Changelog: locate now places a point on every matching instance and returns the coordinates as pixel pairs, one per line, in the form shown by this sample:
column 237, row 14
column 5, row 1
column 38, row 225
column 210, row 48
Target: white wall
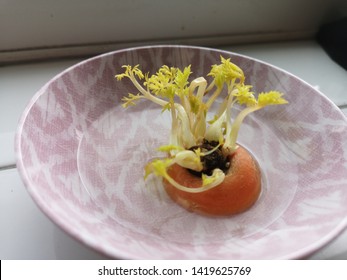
column 30, row 24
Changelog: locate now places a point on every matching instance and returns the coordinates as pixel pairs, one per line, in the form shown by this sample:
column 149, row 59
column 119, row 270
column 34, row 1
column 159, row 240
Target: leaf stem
column 231, row 138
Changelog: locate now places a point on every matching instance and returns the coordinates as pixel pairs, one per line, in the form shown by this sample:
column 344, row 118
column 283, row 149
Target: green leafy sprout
column 188, row 103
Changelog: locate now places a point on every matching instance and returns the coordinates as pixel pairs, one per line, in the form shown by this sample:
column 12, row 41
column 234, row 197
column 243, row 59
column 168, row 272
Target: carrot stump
column 237, row 193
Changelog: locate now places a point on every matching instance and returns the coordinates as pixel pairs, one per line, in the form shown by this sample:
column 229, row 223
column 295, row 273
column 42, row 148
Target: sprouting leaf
column 166, row 107
column 244, row 95
column 216, row 178
column 271, row 98
column 211, row 121
column 189, row 159
column 196, row 105
column 162, row 83
column 137, row 72
column 131, row 99
column 130, row 71
column 264, row 99
column 181, row 79
column 226, row 72
column 218, row 75
column 231, row 70
column 216, row 131
column 169, row 148
column 158, row 167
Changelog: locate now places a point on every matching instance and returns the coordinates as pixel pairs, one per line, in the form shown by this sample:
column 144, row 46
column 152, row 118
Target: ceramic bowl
column 81, row 156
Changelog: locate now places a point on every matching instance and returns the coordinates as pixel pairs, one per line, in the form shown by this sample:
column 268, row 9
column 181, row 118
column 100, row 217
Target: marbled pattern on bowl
column 81, row 157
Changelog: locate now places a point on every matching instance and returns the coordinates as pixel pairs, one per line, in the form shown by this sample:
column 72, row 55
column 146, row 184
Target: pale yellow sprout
column 160, row 167
column 189, row 102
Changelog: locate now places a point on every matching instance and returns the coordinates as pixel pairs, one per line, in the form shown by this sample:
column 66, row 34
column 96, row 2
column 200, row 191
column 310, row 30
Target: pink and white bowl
column 81, row 157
